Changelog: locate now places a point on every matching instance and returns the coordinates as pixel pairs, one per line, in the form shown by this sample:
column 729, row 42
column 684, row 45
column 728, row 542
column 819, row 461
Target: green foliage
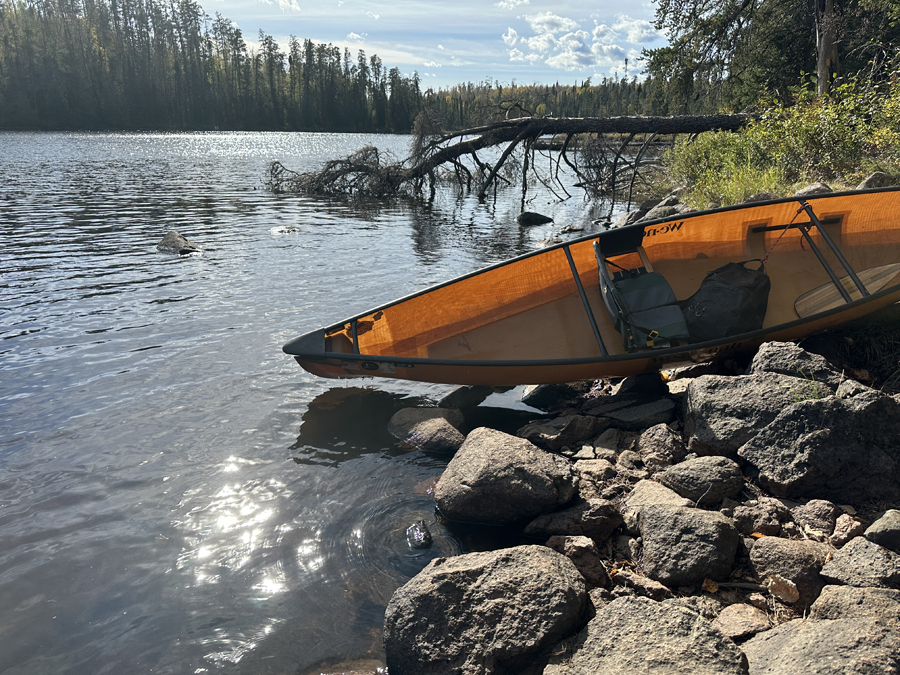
column 837, row 140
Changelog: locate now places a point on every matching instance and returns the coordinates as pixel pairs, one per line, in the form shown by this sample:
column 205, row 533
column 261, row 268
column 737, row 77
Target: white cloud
column 373, row 15
column 510, row 4
column 637, row 31
column 431, row 64
column 605, row 34
column 441, row 47
column 510, row 36
column 285, row 5
column 547, row 22
column 356, row 37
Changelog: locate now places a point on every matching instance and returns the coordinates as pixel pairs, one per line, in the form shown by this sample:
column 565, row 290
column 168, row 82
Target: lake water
column 176, row 494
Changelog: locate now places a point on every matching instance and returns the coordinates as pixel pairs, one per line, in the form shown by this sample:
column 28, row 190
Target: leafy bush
column 838, row 140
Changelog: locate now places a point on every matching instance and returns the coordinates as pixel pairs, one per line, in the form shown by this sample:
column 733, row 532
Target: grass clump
column 838, row 140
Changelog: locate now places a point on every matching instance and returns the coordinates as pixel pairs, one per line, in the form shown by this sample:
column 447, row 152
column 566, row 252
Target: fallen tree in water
column 438, row 156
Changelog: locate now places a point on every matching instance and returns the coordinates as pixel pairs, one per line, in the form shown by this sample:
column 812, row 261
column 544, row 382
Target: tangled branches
column 440, row 157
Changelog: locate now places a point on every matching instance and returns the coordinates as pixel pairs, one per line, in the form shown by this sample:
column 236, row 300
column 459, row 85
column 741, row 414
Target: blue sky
column 526, row 41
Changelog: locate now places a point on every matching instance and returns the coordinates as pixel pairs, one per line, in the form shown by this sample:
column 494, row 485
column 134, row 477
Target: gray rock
column 660, row 447
column 529, row 218
column 648, row 492
column 761, row 197
column 875, row 180
column 704, row 480
column 886, row 530
column 632, row 414
column 740, row 621
column 582, row 551
column 174, row 242
column 431, row 429
column 789, row 359
column 836, row 647
column 813, row 189
column 818, row 515
column 596, row 469
column 763, row 516
column 609, row 440
column 629, row 218
column 483, row 612
column 723, row 413
column 800, row 562
column 861, row 563
column 684, row 546
column 548, row 242
column 566, row 431
column 638, row 636
column 496, row 478
column 845, row 450
column 848, row 602
column 635, row 584
column 595, row 519
column 660, row 211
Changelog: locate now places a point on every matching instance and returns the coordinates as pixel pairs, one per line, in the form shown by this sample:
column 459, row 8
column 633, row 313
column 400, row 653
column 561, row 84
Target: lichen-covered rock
column 483, row 613
column 798, row 561
column 637, row 636
column 497, row 479
column 704, row 480
column 684, row 546
column 723, row 413
column 430, row 429
column 845, row 450
column 864, row 564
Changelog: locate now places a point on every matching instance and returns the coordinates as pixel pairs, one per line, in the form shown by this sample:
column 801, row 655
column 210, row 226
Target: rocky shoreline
column 701, row 523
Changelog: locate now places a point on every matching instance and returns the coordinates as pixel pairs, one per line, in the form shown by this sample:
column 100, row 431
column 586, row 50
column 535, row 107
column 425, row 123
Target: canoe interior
column 530, row 308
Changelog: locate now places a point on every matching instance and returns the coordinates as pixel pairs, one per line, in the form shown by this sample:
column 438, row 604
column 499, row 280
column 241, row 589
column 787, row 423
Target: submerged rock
column 418, row 535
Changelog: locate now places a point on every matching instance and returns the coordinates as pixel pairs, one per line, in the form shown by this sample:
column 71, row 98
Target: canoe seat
column 642, row 305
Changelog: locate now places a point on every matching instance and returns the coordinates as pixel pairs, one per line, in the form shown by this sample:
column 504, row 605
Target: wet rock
column 817, row 515
column 848, row 602
column 845, row 450
column 582, row 551
column 496, row 478
column 846, row 527
column 684, row 546
column 789, row 359
column 465, row 397
column 483, row 612
column 762, row 516
column 596, row 519
column 886, row 530
column 418, row 535
column 548, row 242
column 565, row 431
column 740, row 621
column 861, row 563
column 174, row 242
column 704, row 480
column 723, row 413
column 875, row 180
column 813, row 189
column 638, row 636
column 430, row 429
column 547, row 396
column 797, row 561
column 529, row 218
column 824, row 647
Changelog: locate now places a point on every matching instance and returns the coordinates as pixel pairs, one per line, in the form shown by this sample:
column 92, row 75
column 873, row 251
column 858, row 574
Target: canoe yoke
column 641, row 303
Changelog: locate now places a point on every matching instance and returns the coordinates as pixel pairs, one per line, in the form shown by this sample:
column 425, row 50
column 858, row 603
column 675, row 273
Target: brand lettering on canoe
column 665, row 229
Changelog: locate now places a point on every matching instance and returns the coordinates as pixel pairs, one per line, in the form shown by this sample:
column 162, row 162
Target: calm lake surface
column 176, row 494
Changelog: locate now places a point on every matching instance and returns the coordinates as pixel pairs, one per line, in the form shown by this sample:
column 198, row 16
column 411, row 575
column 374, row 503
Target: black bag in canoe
column 731, row 300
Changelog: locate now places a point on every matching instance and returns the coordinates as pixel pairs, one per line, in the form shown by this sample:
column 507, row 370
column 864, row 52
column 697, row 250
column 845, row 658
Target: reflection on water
column 176, row 494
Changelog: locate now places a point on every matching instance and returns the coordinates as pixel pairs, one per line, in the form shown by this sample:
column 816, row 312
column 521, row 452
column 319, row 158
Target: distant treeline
column 165, row 64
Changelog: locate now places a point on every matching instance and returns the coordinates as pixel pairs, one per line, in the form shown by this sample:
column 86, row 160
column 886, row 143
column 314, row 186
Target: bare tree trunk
column 826, row 46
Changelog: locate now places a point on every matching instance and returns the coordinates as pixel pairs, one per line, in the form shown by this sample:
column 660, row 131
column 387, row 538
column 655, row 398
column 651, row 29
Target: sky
column 458, row 41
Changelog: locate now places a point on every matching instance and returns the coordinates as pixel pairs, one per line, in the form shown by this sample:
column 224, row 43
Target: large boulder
column 797, row 561
column 430, row 429
column 845, row 450
column 637, row 636
column 829, row 647
column 497, row 479
column 704, row 480
column 722, row 413
column 683, row 546
column 482, row 613
column 789, row 359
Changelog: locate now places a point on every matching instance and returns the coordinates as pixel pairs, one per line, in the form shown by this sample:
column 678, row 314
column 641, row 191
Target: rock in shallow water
column 174, row 242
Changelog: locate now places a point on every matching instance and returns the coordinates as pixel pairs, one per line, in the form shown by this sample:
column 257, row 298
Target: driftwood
column 441, row 156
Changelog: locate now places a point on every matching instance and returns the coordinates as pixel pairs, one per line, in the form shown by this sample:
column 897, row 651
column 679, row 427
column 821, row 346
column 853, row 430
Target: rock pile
column 715, row 524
